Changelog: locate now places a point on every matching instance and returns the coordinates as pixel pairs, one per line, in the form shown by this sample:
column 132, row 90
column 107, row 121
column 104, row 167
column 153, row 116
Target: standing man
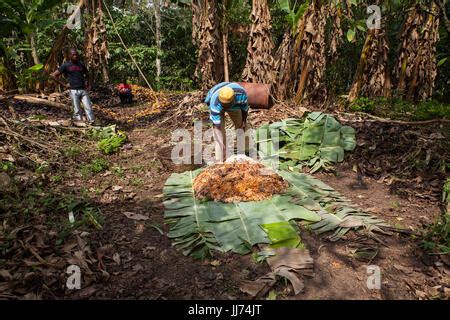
column 231, row 98
column 76, row 71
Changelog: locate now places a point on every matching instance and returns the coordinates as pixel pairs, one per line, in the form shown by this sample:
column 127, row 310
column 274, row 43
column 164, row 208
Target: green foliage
column 52, row 209
column 397, row 108
column 56, row 178
column 113, row 143
column 294, row 11
column 446, row 193
column 29, row 76
column 102, row 132
column 432, row 110
column 7, row 166
column 110, row 138
column 178, row 57
column 436, row 237
column 118, row 171
column 43, row 167
column 72, row 151
column 99, row 165
column 86, row 215
column 363, row 105
column 96, row 166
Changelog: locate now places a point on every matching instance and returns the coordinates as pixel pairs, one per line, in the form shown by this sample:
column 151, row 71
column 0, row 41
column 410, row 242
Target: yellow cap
column 226, row 95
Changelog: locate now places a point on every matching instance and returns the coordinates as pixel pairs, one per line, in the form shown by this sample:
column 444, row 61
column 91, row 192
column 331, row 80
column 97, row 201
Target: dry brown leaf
column 292, row 258
column 135, row 216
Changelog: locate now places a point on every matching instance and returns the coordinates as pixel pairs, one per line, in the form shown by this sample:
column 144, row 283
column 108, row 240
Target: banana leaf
column 198, row 228
column 282, row 235
column 317, row 141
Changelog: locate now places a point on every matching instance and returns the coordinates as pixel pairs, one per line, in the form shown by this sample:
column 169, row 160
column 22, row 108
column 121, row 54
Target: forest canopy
column 315, row 50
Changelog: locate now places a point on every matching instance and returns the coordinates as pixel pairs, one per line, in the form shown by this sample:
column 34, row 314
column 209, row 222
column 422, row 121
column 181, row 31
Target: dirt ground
column 152, row 269
column 139, row 262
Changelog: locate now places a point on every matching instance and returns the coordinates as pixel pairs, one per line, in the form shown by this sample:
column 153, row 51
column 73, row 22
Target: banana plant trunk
column 416, row 67
column 310, row 55
column 225, row 56
column 207, row 36
column 372, row 77
column 158, row 39
column 259, row 64
column 96, row 45
column 33, row 45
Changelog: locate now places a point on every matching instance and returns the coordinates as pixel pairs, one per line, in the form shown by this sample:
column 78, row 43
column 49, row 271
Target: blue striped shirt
column 216, row 108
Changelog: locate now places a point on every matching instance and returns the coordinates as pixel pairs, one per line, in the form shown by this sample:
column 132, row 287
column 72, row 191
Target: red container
column 258, row 95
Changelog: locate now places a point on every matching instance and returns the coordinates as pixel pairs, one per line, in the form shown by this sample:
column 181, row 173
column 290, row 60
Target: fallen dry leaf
column 135, row 216
column 116, row 258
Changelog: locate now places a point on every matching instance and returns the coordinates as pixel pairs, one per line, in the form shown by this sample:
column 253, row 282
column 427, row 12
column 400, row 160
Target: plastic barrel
column 258, row 95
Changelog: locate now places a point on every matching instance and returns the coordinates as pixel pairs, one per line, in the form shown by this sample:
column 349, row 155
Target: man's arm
column 54, row 76
column 244, row 108
column 244, row 119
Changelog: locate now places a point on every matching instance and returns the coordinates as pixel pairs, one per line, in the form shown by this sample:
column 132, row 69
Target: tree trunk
column 310, row 55
column 134, row 6
column 33, row 45
column 282, row 80
column 372, row 77
column 259, row 65
column 158, row 39
column 441, row 5
column 416, row 67
column 196, row 7
column 96, row 45
column 209, row 68
column 7, row 80
column 225, row 55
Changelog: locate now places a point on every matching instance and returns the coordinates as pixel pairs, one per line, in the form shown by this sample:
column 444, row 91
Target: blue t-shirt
column 216, row 108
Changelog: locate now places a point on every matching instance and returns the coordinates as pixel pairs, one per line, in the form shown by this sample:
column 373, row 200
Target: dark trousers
column 126, row 98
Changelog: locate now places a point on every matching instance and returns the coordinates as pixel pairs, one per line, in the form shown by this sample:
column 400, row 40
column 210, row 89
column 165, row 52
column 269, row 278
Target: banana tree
column 226, row 8
column 96, row 45
column 283, row 80
column 259, row 63
column 416, row 67
column 206, row 35
column 372, row 77
column 310, row 54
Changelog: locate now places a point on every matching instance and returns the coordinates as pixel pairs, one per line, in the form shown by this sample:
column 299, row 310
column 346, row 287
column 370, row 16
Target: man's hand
column 54, row 76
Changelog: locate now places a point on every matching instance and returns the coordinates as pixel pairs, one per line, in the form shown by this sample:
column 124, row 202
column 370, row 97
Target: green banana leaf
column 282, row 234
column 199, row 227
column 316, row 141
